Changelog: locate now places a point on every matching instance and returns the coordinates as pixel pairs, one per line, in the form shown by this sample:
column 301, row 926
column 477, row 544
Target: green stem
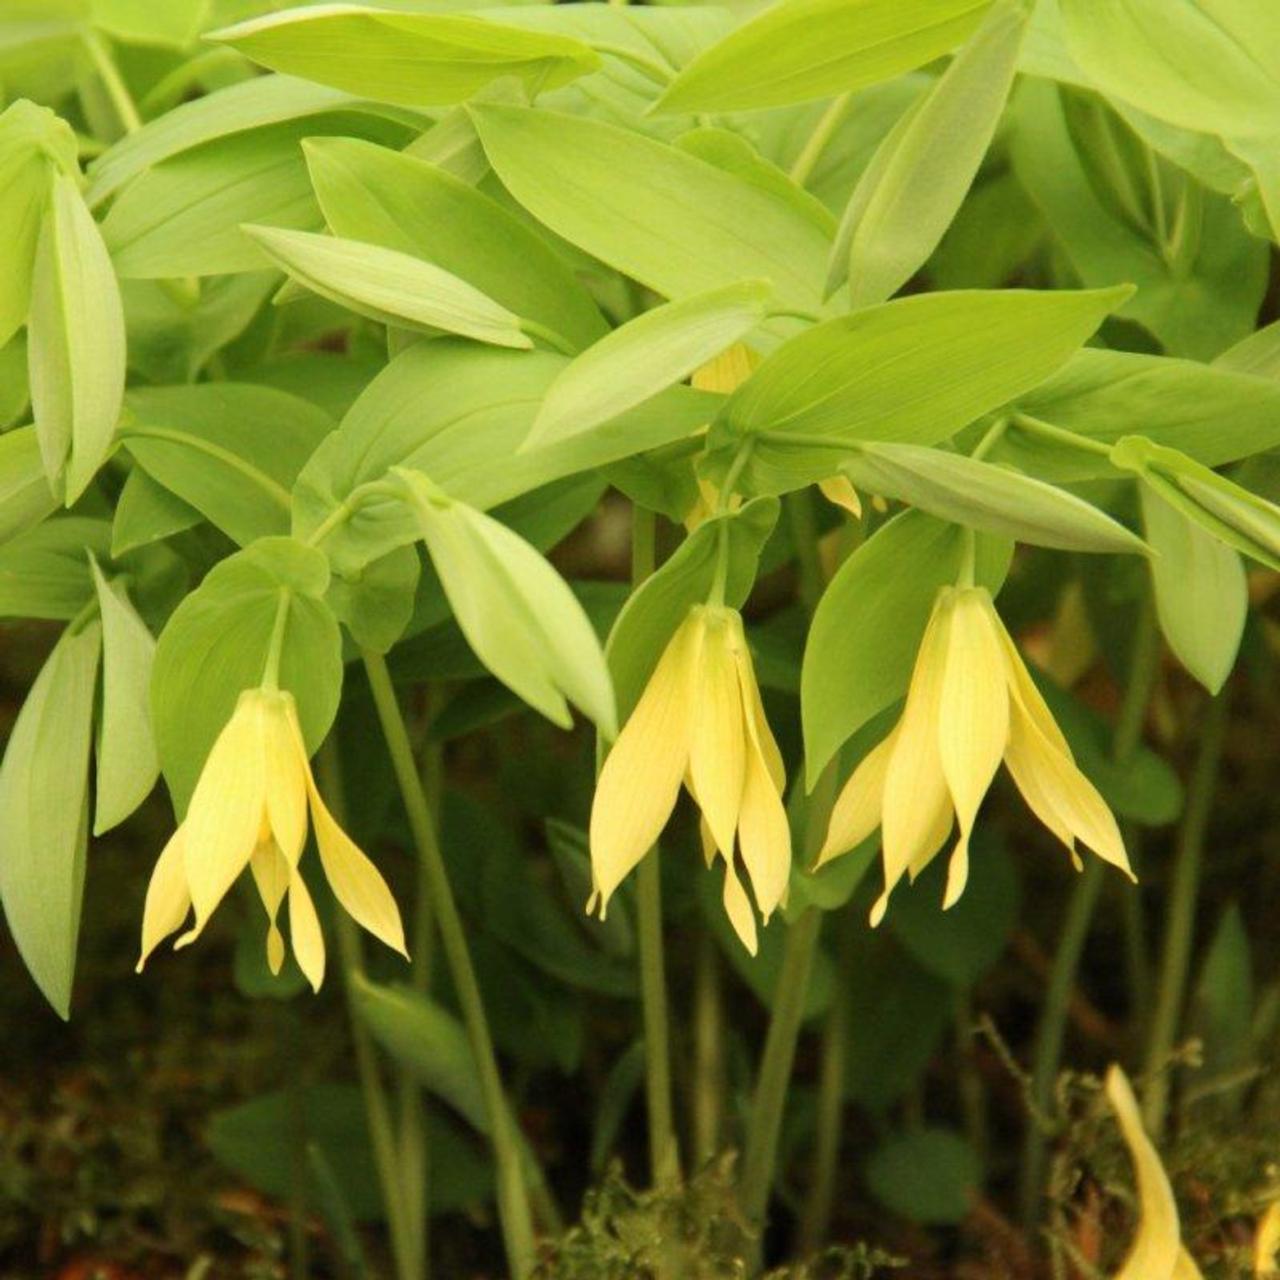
column 664, row 1154
column 1059, row 435
column 512, row 1193
column 803, row 165
column 769, row 1102
column 804, row 536
column 708, row 1052
column 830, row 1114
column 294, row 1054
column 112, row 82
column 1047, row 1054
column 553, row 339
column 1181, row 914
column 376, row 1107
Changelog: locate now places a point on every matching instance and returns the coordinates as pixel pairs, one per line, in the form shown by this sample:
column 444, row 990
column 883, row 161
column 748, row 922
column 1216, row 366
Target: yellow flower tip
column 957, row 873
column 839, row 491
column 1266, row 1244
column 881, row 905
column 1156, row 1250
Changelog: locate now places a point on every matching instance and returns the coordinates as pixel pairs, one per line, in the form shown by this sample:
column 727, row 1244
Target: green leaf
column 396, row 200
column 913, row 371
column 34, row 143
column 147, row 512
column 173, row 24
column 803, row 49
column 44, row 572
column 415, row 59
column 251, row 104
column 615, row 934
column 25, row 496
column 1201, row 594
column 652, row 211
column 127, row 761
column 646, row 355
column 867, row 627
column 929, row 1175
column 216, row 644
column 650, row 617
column 1197, row 291
column 390, row 287
column 1223, row 1003
column 919, row 178
column 44, row 783
column 1214, row 68
column 517, row 613
column 76, row 342
column 230, row 450
column 427, row 1039
column 459, row 412
column 982, row 496
column 1213, row 414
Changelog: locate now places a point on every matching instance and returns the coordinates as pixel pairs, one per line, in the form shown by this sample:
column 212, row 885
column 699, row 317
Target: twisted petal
column 917, row 805
column 168, row 900
column 1154, row 1253
column 285, row 759
column 641, row 777
column 271, row 874
column 973, row 718
column 856, row 813
column 737, row 907
column 717, row 746
column 225, row 817
column 304, row 931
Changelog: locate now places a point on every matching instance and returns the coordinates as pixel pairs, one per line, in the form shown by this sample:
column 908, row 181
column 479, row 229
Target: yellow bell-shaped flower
column 1156, row 1252
column 699, row 722
column 971, row 703
column 249, row 808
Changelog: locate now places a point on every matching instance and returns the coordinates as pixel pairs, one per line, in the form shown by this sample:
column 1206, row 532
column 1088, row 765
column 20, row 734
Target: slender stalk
column 708, row 1052
column 294, row 1052
column 816, row 143
column 1181, row 913
column 830, row 1114
column 1051, row 1032
column 804, row 536
column 376, row 1106
column 770, row 1098
column 113, row 82
column 512, row 1193
column 664, row 1154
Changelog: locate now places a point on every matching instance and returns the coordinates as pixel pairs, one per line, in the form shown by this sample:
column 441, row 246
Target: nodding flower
column 971, row 703
column 249, row 809
column 699, row 722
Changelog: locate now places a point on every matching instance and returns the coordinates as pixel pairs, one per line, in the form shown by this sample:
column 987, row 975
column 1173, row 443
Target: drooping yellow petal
column 225, row 816
column 916, row 802
column 285, row 758
column 271, row 875
column 641, row 778
column 304, row 932
column 727, row 371
column 1266, row 1244
column 737, row 907
column 717, row 735
column 840, row 491
column 764, row 834
column 1185, row 1268
column 857, row 809
column 1055, row 779
column 1153, row 1255
column 356, row 882
column 168, row 900
column 973, row 718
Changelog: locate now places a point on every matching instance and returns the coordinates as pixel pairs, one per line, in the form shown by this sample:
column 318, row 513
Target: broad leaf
column 25, row 496
column 44, row 572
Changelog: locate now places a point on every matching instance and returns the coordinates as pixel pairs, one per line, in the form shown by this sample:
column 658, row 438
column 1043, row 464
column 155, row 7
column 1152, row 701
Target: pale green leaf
column 44, row 783
column 802, row 49
column 147, row 512
column 44, row 572
column 25, row 496
column 652, row 211
column 127, row 761
column 646, row 355
column 907, row 199
column 390, row 287
column 398, row 201
column 76, row 347
column 173, row 24
column 415, row 59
